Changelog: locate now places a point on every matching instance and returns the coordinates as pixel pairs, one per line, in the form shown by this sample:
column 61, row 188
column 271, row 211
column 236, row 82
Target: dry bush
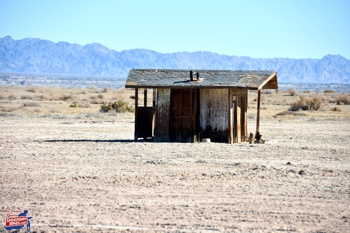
column 306, row 92
column 74, row 105
column 10, row 109
column 2, row 97
column 119, row 106
column 328, row 91
column 93, row 89
column 343, row 99
column 105, row 89
column 84, row 105
column 292, row 92
column 31, row 104
column 12, row 97
column 95, row 101
column 335, row 109
column 33, row 90
column 26, row 97
column 80, row 105
column 65, row 97
column 42, row 97
column 306, row 104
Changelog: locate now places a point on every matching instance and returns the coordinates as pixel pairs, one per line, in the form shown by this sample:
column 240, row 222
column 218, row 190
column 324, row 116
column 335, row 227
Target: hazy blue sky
column 265, row 28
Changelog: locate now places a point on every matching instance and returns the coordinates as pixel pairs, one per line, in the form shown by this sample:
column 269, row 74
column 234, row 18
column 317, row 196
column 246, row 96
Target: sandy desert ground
column 79, row 170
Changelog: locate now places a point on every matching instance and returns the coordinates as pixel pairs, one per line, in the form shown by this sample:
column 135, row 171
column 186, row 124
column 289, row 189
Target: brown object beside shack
column 189, row 105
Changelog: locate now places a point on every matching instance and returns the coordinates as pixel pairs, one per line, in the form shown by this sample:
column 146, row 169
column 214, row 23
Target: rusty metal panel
column 161, row 133
column 214, row 115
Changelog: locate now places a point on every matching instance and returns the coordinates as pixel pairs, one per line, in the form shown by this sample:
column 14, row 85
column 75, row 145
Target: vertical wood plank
column 136, row 110
column 145, row 103
column 154, row 101
column 145, row 97
column 244, row 103
column 258, row 113
column 161, row 133
column 230, row 117
column 198, row 114
column 234, row 99
column 155, row 107
column 239, row 117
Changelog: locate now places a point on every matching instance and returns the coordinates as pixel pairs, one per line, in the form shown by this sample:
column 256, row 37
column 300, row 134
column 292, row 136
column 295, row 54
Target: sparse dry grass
column 55, row 100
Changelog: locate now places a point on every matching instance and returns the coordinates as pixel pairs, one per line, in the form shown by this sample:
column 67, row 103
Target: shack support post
column 136, row 108
column 257, row 132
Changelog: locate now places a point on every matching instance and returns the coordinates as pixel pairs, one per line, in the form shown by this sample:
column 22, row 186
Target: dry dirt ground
column 79, row 170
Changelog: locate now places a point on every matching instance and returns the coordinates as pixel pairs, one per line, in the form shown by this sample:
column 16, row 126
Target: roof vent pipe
column 197, row 76
column 191, row 75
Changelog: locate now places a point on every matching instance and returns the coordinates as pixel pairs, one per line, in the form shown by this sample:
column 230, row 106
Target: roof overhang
column 165, row 78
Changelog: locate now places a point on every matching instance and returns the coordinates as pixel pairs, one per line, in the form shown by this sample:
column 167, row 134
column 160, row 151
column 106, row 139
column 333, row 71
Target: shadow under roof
column 172, row 78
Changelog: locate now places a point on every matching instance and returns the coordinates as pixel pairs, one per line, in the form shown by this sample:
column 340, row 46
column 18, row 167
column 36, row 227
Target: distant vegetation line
column 36, row 56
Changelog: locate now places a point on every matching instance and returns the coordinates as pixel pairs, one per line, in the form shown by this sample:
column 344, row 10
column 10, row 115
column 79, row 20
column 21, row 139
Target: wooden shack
column 189, row 105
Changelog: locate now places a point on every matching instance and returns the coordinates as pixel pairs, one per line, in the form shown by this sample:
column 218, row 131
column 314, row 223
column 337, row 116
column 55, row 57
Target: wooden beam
column 258, row 114
column 234, row 102
column 145, row 97
column 198, row 114
column 230, row 116
column 244, row 119
column 239, row 117
column 272, row 79
column 136, row 108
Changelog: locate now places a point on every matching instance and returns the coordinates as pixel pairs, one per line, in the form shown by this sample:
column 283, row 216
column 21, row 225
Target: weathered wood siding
column 161, row 133
column 214, row 117
column 240, row 98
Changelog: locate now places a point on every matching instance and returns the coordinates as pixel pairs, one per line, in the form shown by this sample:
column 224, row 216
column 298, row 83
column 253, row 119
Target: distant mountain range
column 38, row 56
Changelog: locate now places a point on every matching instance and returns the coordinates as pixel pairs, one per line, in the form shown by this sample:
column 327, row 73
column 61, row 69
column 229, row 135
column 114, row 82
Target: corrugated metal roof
column 171, row 78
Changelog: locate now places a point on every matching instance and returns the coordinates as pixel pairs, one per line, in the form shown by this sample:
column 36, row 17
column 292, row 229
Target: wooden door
column 182, row 115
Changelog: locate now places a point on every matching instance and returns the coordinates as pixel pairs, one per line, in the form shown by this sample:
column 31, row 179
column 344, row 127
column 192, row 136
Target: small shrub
column 42, row 97
column 94, row 101
column 74, row 105
column 306, row 92
column 32, row 90
column 105, row 89
column 328, row 91
column 315, row 104
column 335, row 109
column 12, row 97
column 100, row 97
column 26, row 97
column 292, row 92
column 119, row 106
column 93, row 89
column 306, row 104
column 106, row 107
column 65, row 97
column 122, row 106
column 343, row 99
column 84, row 105
column 31, row 105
